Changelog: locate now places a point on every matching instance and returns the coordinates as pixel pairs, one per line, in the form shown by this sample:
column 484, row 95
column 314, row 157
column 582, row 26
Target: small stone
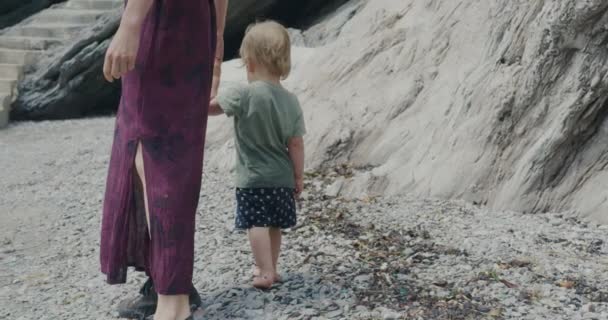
column 388, row 314
column 592, row 316
column 253, row 314
column 214, row 307
column 363, row 278
column 334, row 189
column 589, row 307
column 306, row 195
column 361, row 309
column 408, row 252
column 310, row 312
column 334, row 314
column 254, row 302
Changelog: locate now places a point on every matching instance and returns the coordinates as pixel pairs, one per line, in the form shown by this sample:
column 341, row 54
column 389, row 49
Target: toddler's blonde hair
column 267, row 43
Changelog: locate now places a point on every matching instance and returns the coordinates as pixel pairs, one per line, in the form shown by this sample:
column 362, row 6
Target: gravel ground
column 371, row 258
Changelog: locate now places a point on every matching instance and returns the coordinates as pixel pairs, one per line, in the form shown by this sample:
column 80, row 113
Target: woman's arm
column 122, row 52
column 215, row 109
column 221, row 8
column 295, row 147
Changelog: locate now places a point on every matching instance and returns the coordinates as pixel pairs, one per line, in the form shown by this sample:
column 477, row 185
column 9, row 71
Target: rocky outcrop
column 67, row 83
column 296, row 13
column 23, row 44
column 497, row 102
column 13, row 11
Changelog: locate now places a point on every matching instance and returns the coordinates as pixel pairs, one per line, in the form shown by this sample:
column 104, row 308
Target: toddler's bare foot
column 263, row 282
column 257, row 272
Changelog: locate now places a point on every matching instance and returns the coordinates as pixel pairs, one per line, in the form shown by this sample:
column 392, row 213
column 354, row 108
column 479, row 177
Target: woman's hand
column 122, row 53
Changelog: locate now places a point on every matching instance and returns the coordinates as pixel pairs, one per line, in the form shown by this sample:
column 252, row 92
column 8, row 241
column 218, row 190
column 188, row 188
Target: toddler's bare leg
column 261, row 246
column 275, row 242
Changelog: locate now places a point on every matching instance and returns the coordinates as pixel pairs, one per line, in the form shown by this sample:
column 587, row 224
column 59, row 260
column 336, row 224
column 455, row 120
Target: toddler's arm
column 295, row 147
column 215, row 109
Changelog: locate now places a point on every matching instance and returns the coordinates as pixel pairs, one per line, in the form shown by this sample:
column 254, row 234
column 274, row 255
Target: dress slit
column 143, row 190
column 138, row 246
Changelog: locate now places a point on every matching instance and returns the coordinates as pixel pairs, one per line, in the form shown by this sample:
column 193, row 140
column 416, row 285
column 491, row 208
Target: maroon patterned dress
column 162, row 108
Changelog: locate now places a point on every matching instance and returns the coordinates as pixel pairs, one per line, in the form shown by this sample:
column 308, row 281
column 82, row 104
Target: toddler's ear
column 250, row 65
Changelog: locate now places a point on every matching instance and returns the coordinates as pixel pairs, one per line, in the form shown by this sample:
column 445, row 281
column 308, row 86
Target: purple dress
column 163, row 107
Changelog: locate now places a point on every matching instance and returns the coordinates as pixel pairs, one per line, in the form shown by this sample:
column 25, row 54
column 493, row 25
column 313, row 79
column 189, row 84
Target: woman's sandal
column 262, row 282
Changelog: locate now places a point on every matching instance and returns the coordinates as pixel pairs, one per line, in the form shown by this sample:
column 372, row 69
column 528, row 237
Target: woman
column 164, row 51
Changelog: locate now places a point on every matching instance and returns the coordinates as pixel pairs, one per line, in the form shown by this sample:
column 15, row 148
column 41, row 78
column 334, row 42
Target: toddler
column 269, row 126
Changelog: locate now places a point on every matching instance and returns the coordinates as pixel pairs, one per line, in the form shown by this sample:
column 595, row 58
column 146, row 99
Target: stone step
column 58, row 31
column 5, row 109
column 23, row 44
column 68, row 16
column 28, row 43
column 7, row 85
column 11, row 71
column 22, row 57
column 94, row 4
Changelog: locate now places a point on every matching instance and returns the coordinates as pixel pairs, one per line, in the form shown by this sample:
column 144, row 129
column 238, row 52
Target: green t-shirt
column 266, row 116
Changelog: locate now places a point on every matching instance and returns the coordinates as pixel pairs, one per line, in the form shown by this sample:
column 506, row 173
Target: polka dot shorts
column 265, row 207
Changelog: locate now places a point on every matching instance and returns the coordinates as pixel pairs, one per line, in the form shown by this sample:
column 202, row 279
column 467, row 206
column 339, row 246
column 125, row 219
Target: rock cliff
column 502, row 103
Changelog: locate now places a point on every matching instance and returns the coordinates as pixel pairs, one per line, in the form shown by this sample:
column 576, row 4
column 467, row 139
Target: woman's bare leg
column 172, row 307
column 175, row 307
column 139, row 167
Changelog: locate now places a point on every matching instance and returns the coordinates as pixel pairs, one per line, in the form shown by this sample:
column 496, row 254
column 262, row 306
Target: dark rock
column 69, row 83
column 13, row 11
column 295, row 13
column 240, row 15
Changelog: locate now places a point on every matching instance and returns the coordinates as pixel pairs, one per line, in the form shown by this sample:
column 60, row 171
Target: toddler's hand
column 299, row 187
column 215, row 82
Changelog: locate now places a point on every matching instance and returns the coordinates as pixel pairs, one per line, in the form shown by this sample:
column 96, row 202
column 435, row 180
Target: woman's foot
column 264, row 282
column 172, row 307
column 144, row 305
column 257, row 272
